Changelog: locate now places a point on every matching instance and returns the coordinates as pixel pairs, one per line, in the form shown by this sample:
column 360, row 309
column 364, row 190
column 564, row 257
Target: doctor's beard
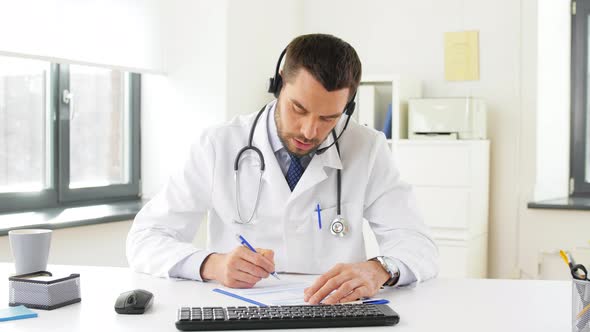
column 285, row 138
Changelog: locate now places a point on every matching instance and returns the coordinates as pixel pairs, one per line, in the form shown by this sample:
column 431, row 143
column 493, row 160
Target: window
column 68, row 134
column 580, row 125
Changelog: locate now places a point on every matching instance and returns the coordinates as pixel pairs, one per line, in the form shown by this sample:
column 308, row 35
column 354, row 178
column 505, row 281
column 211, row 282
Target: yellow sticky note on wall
column 462, row 56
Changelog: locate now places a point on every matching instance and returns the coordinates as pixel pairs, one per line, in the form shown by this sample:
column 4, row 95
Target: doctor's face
column 307, row 112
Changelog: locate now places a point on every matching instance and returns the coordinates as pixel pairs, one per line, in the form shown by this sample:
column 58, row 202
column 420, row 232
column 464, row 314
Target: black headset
column 275, row 85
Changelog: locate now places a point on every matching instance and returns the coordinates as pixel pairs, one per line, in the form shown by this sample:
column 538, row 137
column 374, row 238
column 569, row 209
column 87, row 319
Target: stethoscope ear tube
column 250, row 146
column 236, row 171
column 244, row 149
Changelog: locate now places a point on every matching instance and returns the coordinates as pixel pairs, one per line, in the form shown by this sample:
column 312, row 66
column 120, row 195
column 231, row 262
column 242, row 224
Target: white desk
column 440, row 304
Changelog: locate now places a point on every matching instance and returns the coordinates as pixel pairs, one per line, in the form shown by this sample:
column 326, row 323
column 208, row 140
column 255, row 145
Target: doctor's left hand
column 347, row 282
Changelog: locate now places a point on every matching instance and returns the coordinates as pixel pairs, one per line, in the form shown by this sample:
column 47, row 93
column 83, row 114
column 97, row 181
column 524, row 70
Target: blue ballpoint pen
column 319, row 210
column 245, row 243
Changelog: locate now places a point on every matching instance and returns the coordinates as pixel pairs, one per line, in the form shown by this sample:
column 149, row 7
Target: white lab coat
column 285, row 221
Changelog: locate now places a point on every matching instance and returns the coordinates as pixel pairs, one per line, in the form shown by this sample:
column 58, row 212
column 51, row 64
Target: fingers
column 347, row 289
column 343, row 283
column 267, row 253
column 243, row 268
column 245, row 277
column 256, row 259
column 252, row 269
column 330, row 286
column 357, row 293
column 235, row 278
column 321, row 281
column 240, row 273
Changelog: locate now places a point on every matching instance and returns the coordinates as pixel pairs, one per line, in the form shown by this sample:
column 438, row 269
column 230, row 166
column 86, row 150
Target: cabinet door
column 453, row 259
column 434, row 164
column 463, row 258
column 444, row 207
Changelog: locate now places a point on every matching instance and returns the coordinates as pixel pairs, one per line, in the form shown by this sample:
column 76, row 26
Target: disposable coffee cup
column 30, row 249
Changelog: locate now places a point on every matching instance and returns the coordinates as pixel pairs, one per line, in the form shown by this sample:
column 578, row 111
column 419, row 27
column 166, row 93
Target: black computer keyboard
column 284, row 317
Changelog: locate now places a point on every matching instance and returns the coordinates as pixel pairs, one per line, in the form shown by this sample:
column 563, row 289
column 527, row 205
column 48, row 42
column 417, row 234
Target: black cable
column 338, row 173
column 254, row 125
column 322, row 150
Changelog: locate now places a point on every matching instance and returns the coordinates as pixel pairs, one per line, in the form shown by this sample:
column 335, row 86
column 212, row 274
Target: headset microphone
column 348, row 110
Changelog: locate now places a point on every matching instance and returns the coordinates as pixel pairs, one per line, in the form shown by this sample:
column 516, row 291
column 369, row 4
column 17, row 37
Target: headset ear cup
column 278, row 85
column 271, row 85
column 350, row 108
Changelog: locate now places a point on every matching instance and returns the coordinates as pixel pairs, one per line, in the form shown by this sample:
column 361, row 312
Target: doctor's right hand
column 240, row 268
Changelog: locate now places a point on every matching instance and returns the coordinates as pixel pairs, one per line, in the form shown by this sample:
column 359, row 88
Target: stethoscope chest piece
column 339, row 227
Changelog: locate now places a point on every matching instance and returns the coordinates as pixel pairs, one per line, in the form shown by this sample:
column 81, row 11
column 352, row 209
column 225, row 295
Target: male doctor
column 300, row 192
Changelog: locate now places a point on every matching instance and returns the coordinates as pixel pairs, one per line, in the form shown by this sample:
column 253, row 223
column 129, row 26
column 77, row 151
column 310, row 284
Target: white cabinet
column 379, row 94
column 451, row 179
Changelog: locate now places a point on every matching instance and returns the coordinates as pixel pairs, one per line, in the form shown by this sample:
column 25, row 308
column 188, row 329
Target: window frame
column 58, row 194
column 579, row 140
column 115, row 191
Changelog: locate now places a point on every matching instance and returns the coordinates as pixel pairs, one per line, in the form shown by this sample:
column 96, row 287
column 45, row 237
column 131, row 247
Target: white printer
column 447, row 118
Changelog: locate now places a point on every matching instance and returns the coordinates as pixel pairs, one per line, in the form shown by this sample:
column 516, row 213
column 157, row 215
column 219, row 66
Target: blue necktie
column 294, row 172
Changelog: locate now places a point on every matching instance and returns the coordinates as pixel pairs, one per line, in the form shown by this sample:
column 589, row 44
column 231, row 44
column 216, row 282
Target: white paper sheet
column 272, row 292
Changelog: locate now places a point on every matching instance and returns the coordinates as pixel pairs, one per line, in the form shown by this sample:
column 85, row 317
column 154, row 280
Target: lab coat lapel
column 315, row 171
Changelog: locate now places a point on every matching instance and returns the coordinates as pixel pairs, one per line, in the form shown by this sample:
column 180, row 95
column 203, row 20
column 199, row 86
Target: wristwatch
column 389, row 265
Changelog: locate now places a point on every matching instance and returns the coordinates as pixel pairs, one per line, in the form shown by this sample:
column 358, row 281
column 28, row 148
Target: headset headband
column 275, row 85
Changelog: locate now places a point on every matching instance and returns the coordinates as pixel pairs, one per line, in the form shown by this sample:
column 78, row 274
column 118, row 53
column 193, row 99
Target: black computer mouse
column 136, row 301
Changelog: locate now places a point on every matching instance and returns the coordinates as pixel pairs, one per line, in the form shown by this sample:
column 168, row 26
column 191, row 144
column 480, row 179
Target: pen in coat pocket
column 245, row 243
column 319, row 210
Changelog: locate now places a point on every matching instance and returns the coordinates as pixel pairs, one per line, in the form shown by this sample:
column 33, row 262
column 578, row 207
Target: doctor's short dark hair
column 329, row 59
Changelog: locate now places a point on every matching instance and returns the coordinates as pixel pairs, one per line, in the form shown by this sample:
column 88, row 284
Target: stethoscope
column 338, row 227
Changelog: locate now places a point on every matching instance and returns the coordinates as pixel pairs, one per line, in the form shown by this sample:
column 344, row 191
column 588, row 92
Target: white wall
column 258, row 30
column 120, row 33
column 192, row 94
column 406, row 38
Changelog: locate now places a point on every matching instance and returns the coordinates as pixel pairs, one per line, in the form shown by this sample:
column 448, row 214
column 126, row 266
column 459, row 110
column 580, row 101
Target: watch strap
column 390, row 267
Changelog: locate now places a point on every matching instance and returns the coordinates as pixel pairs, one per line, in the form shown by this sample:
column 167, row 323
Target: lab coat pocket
column 305, row 246
column 333, row 248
